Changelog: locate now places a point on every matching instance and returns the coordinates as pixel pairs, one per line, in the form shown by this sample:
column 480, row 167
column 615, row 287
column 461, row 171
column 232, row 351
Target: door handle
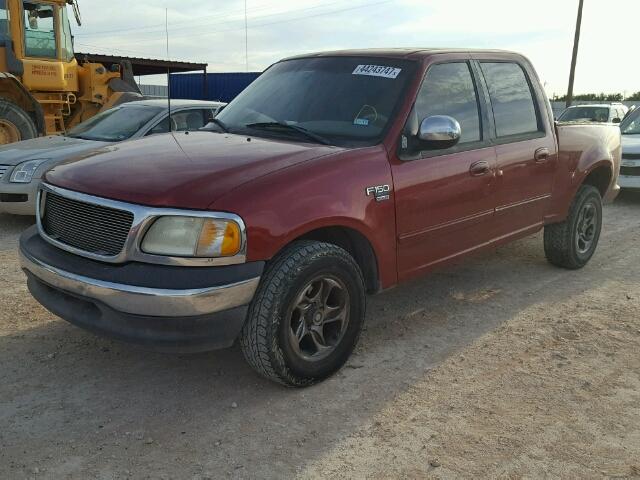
column 541, row 155
column 479, row 168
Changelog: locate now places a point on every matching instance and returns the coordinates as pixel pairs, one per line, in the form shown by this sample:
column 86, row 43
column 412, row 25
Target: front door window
column 66, row 38
column 39, row 30
column 4, row 18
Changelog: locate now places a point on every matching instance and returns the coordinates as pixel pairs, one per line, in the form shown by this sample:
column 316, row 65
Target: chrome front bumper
column 135, row 300
column 629, row 182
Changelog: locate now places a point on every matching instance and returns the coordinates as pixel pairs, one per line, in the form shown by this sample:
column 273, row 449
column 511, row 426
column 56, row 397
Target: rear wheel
column 15, row 123
column 307, row 314
column 572, row 243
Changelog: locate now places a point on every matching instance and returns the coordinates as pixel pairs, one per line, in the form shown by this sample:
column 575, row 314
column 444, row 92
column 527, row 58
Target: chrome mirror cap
column 440, row 131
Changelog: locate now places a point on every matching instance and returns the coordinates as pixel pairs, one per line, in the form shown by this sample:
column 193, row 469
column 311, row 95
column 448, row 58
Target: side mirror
column 616, row 120
column 439, row 132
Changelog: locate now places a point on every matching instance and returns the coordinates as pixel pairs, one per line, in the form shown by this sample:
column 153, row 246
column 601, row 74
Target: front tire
column 572, row 243
column 15, row 123
column 307, row 315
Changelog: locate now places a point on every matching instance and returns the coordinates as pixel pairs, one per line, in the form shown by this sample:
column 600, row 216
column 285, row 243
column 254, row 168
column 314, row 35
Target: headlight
column 23, row 173
column 193, row 237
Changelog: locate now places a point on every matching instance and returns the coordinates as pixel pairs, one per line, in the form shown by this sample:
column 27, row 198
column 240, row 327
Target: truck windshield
column 631, row 124
column 116, row 124
column 590, row 114
column 345, row 101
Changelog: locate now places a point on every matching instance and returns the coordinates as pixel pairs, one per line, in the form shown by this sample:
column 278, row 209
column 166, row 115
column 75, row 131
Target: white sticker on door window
column 377, row 71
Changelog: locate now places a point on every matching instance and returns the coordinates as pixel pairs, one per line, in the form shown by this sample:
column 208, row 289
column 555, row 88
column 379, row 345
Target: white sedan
column 22, row 164
column 630, row 169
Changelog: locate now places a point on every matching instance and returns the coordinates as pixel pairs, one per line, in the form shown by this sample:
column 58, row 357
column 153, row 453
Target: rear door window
column 448, row 89
column 512, row 100
column 190, row 120
column 186, row 120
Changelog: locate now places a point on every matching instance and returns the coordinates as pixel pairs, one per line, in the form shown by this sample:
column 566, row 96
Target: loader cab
column 43, row 43
column 47, row 90
column 43, row 81
column 47, row 31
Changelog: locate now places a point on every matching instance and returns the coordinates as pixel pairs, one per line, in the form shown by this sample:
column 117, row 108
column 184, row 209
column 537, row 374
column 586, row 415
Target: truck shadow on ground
column 76, row 404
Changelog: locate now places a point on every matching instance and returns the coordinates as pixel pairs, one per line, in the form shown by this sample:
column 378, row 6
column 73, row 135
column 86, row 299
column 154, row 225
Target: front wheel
column 572, row 243
column 307, row 315
column 15, row 123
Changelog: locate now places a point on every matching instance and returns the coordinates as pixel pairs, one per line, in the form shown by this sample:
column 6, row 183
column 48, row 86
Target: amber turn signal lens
column 219, row 238
column 231, row 242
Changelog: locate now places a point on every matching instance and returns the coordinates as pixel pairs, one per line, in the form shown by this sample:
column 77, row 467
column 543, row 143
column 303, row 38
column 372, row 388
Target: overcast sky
column 212, row 31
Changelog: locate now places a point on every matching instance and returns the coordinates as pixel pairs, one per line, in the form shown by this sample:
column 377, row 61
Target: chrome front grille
column 3, row 169
column 92, row 228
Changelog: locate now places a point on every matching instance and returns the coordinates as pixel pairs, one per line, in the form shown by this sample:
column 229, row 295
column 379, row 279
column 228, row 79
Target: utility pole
column 166, row 26
column 574, row 58
column 246, row 36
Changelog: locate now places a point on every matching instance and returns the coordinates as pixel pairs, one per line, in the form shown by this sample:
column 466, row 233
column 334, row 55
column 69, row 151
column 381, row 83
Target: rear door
column 445, row 199
column 525, row 145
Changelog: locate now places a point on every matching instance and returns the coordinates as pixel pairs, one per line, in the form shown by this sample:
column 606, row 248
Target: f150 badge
column 379, row 192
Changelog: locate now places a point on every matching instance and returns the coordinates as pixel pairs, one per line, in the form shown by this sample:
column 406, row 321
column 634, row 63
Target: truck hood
column 53, row 148
column 180, row 170
column 630, row 144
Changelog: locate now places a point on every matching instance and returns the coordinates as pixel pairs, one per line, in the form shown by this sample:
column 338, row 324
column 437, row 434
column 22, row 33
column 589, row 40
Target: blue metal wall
column 220, row 86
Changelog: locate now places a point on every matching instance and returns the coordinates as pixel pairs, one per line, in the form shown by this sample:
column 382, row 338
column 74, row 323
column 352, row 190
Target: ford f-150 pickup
column 332, row 176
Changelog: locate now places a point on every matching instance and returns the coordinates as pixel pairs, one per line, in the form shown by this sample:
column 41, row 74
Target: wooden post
column 574, row 58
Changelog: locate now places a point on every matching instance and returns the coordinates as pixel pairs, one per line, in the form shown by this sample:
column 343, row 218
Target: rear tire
column 307, row 315
column 572, row 243
column 15, row 123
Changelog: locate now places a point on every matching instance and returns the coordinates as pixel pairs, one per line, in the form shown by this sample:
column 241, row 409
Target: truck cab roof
column 404, row 53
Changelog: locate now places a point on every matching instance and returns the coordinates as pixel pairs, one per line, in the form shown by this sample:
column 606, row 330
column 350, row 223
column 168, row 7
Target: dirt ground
column 503, row 367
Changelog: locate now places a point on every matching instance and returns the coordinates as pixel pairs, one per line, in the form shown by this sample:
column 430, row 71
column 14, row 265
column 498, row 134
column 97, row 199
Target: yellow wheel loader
column 43, row 88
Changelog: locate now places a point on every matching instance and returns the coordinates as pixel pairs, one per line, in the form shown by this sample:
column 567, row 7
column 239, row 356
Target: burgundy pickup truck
column 332, row 176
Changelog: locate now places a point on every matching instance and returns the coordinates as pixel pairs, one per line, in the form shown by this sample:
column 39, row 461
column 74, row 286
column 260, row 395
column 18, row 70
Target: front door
column 445, row 199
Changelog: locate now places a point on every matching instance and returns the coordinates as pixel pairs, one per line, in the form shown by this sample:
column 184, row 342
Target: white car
column 22, row 164
column 630, row 168
column 599, row 113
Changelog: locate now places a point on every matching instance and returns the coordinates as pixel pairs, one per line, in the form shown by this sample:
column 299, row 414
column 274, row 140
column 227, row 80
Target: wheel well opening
column 358, row 247
column 600, row 178
column 11, row 91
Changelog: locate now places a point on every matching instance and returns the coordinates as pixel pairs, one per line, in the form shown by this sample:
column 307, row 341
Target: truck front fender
column 331, row 192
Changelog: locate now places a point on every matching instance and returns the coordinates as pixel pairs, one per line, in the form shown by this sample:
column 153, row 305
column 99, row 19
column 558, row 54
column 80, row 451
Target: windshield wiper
column 290, row 127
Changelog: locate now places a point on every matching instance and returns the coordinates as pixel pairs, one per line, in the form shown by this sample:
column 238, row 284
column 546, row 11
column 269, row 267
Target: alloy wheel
column 319, row 317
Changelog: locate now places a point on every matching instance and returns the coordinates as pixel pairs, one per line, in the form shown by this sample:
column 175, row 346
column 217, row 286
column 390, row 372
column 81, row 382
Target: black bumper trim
column 167, row 334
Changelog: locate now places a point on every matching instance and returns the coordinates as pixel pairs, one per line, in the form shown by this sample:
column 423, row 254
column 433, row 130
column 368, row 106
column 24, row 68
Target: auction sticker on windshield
column 377, row 71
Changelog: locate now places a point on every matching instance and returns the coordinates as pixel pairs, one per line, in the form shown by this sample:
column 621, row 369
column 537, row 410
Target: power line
column 288, row 20
column 161, row 25
column 193, row 27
